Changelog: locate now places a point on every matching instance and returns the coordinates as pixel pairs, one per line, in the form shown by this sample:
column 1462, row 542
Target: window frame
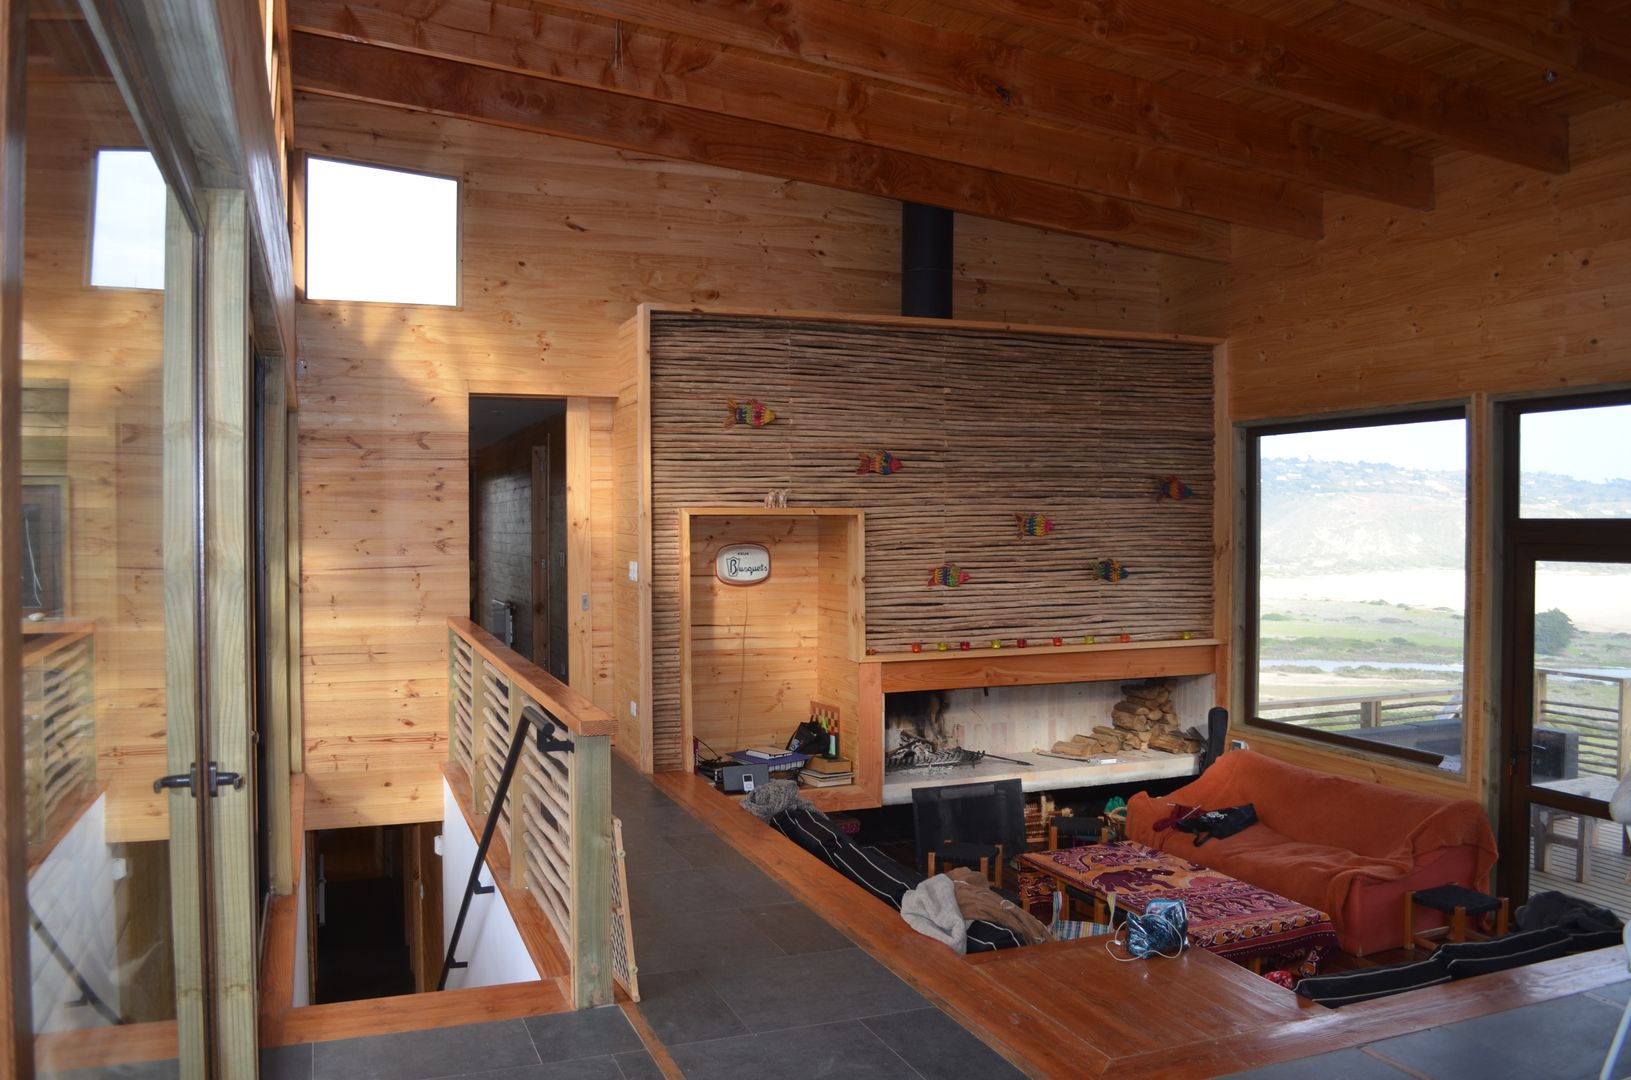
column 299, row 206
column 1251, row 435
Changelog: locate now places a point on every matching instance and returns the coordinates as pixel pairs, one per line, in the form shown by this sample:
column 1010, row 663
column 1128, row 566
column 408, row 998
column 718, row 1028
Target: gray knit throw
column 771, row 799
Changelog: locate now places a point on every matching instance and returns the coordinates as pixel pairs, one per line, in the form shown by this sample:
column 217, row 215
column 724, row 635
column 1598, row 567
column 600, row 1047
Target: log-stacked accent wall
column 989, row 424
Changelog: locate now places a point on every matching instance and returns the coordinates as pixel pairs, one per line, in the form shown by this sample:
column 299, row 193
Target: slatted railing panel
column 556, row 814
column 461, row 733
column 546, row 839
column 59, row 730
column 624, row 969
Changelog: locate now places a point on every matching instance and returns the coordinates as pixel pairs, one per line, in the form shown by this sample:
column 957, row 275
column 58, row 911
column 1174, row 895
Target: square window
column 380, row 235
column 127, row 221
column 1360, row 535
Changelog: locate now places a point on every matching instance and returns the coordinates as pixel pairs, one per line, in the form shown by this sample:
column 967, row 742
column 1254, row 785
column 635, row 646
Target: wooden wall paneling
column 1514, row 285
column 975, row 453
column 228, row 399
column 841, row 628
column 105, row 347
column 602, row 517
column 579, row 544
column 291, row 592
column 16, row 1004
column 562, row 241
column 632, row 562
column 274, row 725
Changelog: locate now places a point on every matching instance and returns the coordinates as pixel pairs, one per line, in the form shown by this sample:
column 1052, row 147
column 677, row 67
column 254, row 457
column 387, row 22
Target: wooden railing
column 557, row 816
column 1596, row 708
column 59, row 726
column 1351, row 712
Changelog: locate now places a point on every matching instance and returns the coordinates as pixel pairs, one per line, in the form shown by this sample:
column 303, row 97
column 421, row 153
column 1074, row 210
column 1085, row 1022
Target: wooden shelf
column 1045, row 773
column 1035, row 650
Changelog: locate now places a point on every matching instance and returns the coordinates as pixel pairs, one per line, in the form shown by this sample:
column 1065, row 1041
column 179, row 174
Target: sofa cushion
column 1465, row 958
column 1364, row 984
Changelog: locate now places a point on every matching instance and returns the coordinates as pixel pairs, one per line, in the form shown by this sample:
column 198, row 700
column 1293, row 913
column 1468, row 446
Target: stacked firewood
column 1144, row 719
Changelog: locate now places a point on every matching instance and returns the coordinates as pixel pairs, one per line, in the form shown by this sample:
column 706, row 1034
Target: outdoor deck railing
column 1596, row 708
column 59, row 726
column 557, row 815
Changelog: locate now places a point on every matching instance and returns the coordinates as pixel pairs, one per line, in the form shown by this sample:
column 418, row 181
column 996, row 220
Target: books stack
column 827, row 772
column 774, row 758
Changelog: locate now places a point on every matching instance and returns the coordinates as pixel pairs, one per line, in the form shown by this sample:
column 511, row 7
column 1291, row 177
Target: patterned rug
column 1226, row 916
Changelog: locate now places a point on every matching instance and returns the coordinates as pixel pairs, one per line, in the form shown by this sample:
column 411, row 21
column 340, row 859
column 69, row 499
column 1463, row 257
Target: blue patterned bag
column 1163, row 929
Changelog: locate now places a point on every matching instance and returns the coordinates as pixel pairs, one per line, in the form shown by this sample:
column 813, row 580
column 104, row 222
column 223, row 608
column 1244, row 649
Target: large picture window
column 1357, row 597
column 380, row 235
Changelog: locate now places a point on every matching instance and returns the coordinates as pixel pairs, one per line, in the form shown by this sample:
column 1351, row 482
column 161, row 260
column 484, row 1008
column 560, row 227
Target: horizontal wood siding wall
column 560, row 242
column 988, row 424
column 1517, row 283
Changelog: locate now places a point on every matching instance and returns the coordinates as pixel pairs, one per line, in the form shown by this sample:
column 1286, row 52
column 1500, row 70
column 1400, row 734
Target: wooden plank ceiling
column 1160, row 124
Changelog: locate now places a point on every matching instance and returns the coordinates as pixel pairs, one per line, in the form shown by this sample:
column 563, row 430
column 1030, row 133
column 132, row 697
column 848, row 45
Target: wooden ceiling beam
column 752, row 86
column 1215, row 41
column 829, row 33
column 1570, row 39
column 359, row 72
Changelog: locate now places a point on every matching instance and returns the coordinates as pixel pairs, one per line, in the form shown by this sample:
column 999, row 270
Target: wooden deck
column 1069, row 1010
column 1607, row 866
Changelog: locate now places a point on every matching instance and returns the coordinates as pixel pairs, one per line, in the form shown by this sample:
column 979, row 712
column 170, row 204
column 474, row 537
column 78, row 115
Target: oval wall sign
column 742, row 564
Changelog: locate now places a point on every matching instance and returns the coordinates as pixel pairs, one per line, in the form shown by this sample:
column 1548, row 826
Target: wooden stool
column 987, row 856
column 1457, row 902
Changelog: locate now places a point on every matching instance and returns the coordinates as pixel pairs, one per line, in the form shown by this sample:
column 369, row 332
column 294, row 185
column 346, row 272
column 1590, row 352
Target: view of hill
column 1322, row 517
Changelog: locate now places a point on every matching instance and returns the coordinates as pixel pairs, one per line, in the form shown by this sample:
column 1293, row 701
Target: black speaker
column 741, row 779
column 1217, row 734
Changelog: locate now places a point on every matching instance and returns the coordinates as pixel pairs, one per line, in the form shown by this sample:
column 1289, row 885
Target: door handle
column 214, row 778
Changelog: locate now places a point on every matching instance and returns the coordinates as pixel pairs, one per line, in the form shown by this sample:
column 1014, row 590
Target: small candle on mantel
column 1058, row 641
column 917, row 646
column 1126, row 638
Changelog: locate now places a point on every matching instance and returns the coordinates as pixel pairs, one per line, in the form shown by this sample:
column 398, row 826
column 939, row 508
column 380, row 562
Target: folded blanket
column 932, row 910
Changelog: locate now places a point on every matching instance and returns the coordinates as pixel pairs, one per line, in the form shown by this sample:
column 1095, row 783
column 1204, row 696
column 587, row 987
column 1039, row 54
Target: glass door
column 1571, row 696
column 1567, row 648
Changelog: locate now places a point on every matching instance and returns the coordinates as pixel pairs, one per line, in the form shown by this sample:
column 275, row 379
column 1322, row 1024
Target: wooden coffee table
column 1229, row 917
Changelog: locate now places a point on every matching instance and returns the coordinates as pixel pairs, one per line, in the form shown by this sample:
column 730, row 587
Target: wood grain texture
column 105, row 348
column 273, row 424
column 1067, row 1010
column 977, row 450
column 1254, row 52
column 367, row 73
column 229, row 669
column 420, row 1012
column 562, row 241
column 1581, row 41
column 659, row 67
column 1031, row 79
column 1514, row 285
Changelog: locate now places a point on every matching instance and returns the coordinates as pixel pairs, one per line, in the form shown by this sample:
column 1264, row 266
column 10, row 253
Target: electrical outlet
column 585, row 601
column 634, row 709
column 634, row 570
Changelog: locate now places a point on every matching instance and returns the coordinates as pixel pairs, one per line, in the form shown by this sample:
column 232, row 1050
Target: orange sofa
column 1351, row 849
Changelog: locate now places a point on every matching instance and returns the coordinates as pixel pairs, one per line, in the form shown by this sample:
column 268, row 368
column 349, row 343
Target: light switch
column 634, row 570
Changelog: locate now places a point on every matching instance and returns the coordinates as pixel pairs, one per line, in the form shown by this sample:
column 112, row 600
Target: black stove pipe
column 925, row 261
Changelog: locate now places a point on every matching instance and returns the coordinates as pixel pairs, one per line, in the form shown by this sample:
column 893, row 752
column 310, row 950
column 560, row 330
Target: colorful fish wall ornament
column 1032, row 525
column 753, row 413
column 881, row 462
column 1170, row 487
column 1109, row 570
column 948, row 574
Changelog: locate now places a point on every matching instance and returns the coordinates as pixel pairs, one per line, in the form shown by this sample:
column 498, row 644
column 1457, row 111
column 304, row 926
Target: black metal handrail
column 545, row 722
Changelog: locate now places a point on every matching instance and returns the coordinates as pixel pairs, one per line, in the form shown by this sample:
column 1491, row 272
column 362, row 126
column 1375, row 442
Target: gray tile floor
column 739, row 980
column 1562, row 1039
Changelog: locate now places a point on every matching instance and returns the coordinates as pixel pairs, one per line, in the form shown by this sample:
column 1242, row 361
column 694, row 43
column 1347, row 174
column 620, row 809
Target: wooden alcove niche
column 753, row 657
